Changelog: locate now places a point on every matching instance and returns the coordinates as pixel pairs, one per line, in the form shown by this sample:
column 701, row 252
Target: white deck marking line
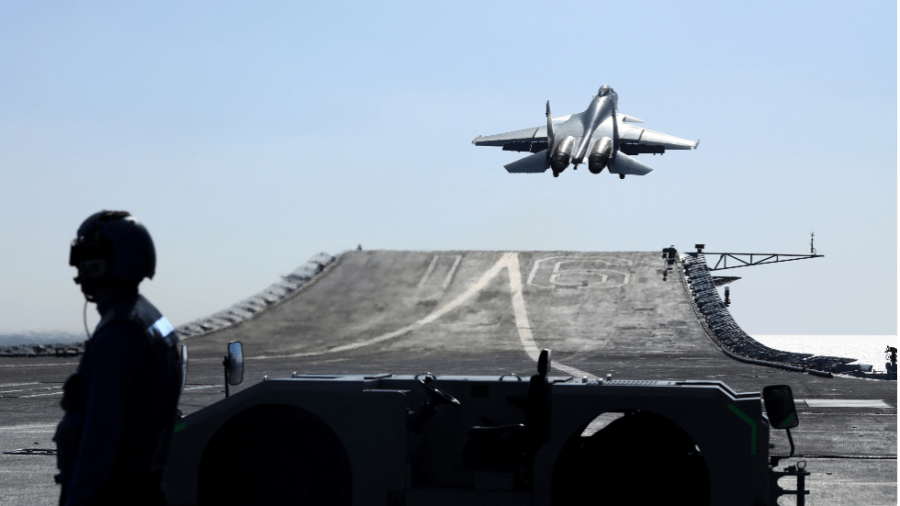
column 40, row 395
column 537, row 264
column 555, row 276
column 205, row 386
column 522, row 323
column 30, row 365
column 836, row 483
column 7, row 385
column 844, row 403
column 449, row 277
column 608, row 260
column 475, row 288
column 428, row 271
column 30, row 426
column 510, row 262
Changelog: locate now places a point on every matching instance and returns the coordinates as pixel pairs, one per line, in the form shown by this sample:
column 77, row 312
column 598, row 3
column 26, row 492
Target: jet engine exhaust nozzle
column 562, row 154
column 600, row 155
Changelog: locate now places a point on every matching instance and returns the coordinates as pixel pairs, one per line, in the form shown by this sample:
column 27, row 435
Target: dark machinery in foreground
column 479, row 440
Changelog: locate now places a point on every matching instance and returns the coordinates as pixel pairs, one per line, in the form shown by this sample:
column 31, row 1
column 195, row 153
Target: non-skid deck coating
column 468, row 312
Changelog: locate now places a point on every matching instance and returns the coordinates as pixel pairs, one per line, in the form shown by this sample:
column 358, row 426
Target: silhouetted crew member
column 120, row 404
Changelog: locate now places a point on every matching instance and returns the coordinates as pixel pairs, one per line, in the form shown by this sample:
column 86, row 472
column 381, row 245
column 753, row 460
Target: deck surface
column 463, row 312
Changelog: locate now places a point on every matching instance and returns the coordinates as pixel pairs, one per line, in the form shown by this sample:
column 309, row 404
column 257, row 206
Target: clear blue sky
column 249, row 136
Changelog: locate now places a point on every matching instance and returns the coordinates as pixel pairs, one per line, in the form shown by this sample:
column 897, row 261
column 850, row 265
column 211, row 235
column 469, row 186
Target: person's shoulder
column 128, row 313
column 143, row 310
column 112, row 332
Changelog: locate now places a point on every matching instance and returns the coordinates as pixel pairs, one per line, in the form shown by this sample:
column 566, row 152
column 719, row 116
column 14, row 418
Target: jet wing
column 525, row 135
column 529, row 139
column 638, row 140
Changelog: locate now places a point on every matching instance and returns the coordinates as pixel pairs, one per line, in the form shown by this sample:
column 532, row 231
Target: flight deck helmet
column 112, row 248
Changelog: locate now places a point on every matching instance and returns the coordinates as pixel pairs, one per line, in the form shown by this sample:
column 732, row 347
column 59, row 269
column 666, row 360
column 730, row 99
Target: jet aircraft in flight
column 599, row 134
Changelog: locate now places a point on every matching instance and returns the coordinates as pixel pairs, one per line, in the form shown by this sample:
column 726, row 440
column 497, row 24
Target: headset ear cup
column 96, row 268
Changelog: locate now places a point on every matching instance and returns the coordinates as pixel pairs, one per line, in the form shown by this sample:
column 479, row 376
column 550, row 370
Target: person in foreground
column 120, row 404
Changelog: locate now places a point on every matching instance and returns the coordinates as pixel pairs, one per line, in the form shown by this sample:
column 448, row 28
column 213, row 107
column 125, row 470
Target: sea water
column 30, row 338
column 865, row 349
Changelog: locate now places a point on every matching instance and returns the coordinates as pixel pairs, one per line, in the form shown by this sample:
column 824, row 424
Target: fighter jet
column 600, row 134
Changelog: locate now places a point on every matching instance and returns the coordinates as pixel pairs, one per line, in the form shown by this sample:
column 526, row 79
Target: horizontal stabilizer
column 533, row 164
column 624, row 164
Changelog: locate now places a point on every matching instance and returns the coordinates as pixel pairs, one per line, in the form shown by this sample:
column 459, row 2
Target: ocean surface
column 30, row 338
column 866, row 349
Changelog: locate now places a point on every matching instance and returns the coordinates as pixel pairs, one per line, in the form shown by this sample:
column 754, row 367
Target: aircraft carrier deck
column 473, row 312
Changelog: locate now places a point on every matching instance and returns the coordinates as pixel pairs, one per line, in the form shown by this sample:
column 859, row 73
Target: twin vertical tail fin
column 551, row 138
column 538, row 162
column 615, row 138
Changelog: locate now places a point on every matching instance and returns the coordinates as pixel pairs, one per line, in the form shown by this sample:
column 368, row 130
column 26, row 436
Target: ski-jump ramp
column 483, row 313
column 477, row 313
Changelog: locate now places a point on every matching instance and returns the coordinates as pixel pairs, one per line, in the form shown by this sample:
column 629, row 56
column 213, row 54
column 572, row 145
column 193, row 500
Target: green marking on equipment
column 747, row 419
column 788, row 421
column 180, row 426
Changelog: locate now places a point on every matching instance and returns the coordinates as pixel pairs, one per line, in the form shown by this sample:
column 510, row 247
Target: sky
column 249, row 136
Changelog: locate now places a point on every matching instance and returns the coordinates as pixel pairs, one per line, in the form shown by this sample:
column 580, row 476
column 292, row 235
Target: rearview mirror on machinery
column 781, row 411
column 782, row 414
column 780, row 406
column 234, row 365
